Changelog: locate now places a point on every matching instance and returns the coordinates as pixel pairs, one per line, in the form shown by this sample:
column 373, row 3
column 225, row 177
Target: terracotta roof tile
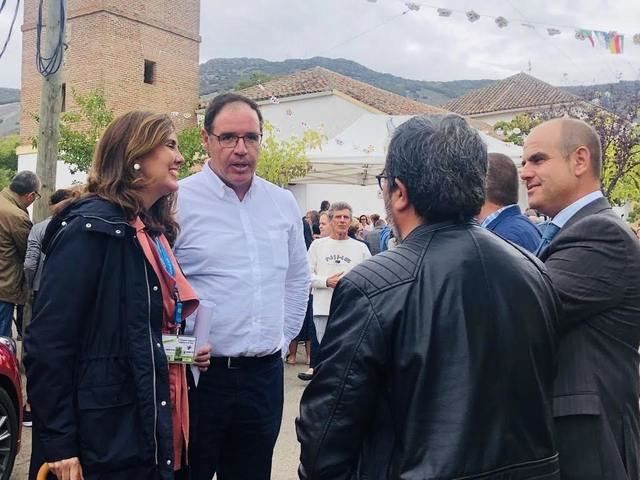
column 515, row 92
column 320, row 79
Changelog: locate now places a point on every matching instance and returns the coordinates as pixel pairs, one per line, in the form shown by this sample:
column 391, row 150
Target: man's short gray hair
column 25, row 182
column 339, row 206
column 442, row 161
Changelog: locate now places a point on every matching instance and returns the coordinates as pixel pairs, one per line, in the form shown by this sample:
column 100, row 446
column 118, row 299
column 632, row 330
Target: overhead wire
column 546, row 38
column 369, row 30
column 522, row 21
column 525, row 23
column 13, row 22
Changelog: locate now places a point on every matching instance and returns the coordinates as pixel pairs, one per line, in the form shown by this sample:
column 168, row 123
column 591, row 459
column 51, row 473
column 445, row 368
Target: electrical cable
column 13, row 22
column 48, row 66
column 360, row 34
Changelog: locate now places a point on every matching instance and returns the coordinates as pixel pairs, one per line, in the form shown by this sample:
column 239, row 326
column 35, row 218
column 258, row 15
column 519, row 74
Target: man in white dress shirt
column 242, row 248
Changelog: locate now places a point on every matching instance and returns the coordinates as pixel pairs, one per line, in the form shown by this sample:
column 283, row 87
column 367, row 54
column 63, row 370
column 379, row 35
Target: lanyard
column 169, row 268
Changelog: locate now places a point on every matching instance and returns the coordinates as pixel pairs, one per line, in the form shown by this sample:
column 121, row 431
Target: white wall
column 367, row 199
column 328, row 113
column 623, row 211
column 64, row 177
column 493, row 118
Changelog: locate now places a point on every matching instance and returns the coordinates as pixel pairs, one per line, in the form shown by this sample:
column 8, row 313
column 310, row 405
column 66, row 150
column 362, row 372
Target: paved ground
column 285, row 462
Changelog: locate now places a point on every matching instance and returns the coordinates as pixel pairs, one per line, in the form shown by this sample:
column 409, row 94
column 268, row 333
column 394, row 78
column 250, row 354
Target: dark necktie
column 550, row 231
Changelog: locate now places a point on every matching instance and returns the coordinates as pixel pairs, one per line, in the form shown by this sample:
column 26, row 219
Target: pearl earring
column 136, row 166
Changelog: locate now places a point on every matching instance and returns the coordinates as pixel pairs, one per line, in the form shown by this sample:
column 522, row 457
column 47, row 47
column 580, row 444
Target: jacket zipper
column 153, row 355
column 105, row 220
column 153, row 361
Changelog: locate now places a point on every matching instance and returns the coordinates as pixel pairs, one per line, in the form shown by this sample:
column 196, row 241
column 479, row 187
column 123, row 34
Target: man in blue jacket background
column 500, row 212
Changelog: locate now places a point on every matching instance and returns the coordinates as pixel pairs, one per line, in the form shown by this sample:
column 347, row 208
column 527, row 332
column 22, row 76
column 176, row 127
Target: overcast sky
column 419, row 44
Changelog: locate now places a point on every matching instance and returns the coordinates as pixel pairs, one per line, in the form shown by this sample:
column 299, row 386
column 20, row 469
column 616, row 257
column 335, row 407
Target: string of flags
column 612, row 41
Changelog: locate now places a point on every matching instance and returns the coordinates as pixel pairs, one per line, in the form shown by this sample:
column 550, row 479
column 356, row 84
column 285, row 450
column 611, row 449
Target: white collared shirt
column 248, row 258
column 566, row 213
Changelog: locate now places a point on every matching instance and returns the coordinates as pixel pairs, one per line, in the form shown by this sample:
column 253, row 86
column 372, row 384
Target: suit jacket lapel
column 592, row 208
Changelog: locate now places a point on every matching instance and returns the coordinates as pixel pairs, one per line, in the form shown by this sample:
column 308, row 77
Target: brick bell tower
column 142, row 53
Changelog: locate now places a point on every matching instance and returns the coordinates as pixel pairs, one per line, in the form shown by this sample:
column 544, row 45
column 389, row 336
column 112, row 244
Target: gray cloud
column 417, row 45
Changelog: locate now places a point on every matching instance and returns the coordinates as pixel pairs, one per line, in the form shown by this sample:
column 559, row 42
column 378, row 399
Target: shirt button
column 64, row 224
column 118, row 232
column 168, row 462
column 155, row 288
column 88, row 225
column 158, row 345
column 163, row 403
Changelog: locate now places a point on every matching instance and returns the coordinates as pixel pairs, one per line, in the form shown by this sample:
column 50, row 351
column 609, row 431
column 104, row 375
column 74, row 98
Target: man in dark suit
column 500, row 212
column 594, row 262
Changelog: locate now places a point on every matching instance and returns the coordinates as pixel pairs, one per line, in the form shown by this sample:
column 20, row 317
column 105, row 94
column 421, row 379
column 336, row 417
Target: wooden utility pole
column 50, row 107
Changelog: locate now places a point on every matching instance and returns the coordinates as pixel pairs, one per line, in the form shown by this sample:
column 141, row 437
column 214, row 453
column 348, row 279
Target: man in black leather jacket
column 439, row 355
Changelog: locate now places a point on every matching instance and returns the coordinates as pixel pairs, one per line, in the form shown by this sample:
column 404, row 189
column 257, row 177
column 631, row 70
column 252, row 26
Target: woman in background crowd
column 305, row 334
column 313, row 217
column 356, row 230
column 366, row 223
column 324, row 226
column 105, row 401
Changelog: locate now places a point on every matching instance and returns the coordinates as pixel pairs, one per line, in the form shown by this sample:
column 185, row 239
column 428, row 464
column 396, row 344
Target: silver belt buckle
column 229, row 364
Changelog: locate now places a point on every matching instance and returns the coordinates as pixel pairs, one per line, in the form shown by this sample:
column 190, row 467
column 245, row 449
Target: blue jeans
column 238, row 417
column 6, row 318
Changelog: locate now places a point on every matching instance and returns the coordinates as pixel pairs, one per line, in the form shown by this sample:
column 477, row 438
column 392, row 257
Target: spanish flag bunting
column 612, row 41
column 583, row 34
column 616, row 43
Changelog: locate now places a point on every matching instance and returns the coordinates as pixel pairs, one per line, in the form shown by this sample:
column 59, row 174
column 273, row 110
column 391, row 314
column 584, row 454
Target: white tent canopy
column 357, row 154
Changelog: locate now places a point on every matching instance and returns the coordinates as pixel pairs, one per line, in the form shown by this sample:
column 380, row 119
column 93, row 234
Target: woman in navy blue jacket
column 98, row 377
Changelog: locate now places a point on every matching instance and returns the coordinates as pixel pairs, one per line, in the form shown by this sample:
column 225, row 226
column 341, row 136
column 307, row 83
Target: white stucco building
column 326, row 101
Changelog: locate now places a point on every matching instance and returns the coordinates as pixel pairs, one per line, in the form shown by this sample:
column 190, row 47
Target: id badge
column 179, row 348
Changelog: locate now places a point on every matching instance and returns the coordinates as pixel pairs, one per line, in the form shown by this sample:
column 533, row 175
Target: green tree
column 619, row 133
column 516, row 130
column 634, row 214
column 81, row 130
column 282, row 161
column 190, row 144
column 8, row 159
column 255, row 78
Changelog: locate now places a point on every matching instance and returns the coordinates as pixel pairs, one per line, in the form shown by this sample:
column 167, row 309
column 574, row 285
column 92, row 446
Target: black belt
column 244, row 362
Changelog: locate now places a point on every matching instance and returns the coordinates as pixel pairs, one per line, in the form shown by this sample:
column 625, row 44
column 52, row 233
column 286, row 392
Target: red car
column 10, row 406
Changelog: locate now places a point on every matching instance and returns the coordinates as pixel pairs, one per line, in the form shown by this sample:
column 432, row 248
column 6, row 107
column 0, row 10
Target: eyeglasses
column 380, row 177
column 38, row 196
column 230, row 140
